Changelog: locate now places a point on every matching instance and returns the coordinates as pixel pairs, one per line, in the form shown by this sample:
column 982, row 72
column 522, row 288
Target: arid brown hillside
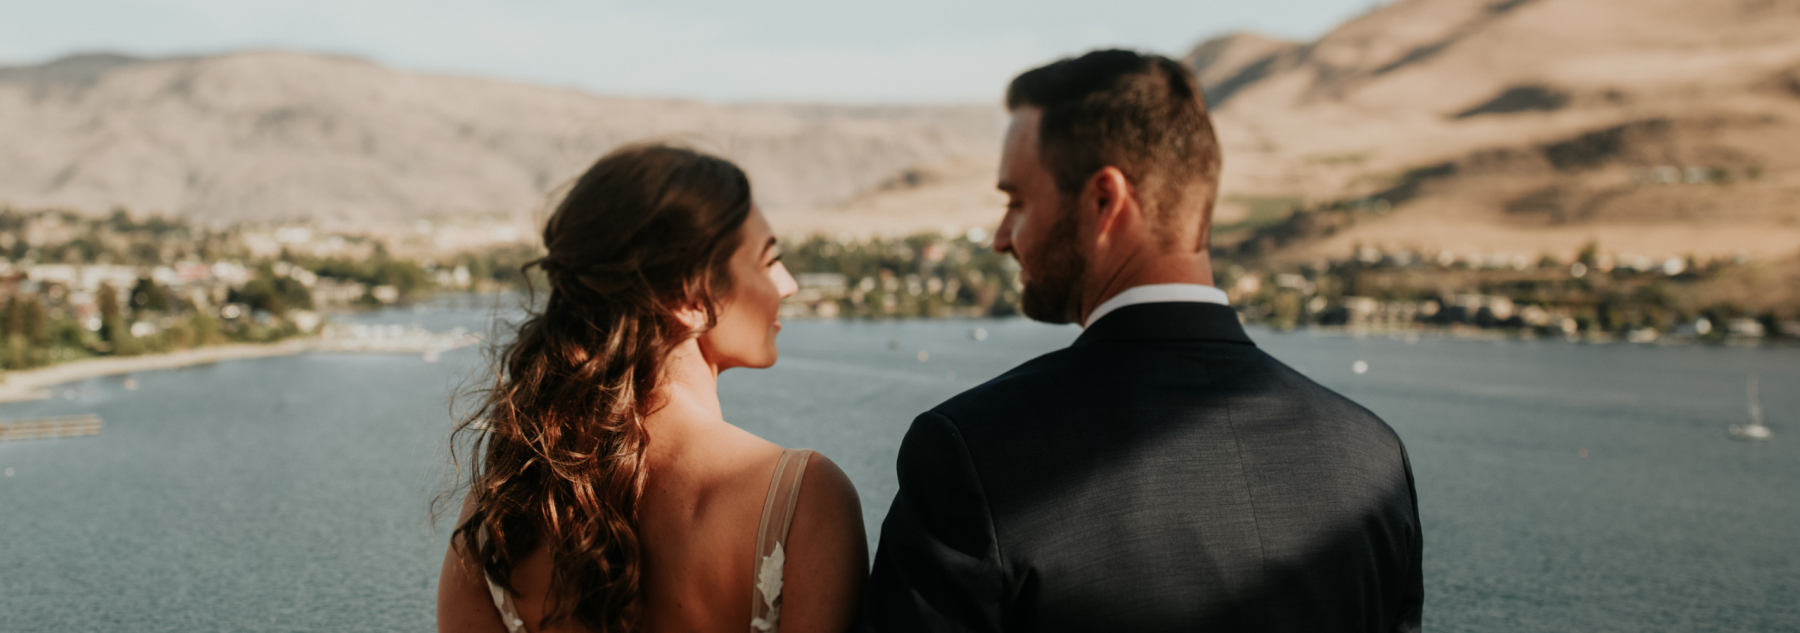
column 1489, row 127
column 279, row 136
column 1492, row 127
column 1658, row 127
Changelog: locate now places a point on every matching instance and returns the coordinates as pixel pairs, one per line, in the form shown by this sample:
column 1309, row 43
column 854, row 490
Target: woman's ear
column 693, row 317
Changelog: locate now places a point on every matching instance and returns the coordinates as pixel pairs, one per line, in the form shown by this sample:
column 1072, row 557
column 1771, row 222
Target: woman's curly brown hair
column 556, row 446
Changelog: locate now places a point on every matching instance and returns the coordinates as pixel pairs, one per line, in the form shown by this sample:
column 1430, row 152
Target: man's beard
column 1052, row 293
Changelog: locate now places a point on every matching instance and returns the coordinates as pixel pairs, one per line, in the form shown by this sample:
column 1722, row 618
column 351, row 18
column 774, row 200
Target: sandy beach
column 33, row 384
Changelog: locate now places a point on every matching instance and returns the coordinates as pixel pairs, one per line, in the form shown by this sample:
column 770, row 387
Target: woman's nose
column 784, row 282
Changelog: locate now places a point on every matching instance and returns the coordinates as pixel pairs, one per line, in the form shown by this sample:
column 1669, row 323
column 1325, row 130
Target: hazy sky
column 851, row 51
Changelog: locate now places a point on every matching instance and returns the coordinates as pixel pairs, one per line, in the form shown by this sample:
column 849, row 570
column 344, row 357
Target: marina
column 52, row 427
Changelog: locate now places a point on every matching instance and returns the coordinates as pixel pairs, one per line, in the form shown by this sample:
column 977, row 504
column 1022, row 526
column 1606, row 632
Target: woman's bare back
column 697, row 528
column 697, row 525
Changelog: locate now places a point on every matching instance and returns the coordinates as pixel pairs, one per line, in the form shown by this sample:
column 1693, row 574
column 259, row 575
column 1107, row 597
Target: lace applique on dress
column 768, row 582
column 771, row 556
column 509, row 616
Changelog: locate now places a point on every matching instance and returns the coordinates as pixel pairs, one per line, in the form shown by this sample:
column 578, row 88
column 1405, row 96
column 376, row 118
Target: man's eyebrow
column 1007, row 187
column 772, row 243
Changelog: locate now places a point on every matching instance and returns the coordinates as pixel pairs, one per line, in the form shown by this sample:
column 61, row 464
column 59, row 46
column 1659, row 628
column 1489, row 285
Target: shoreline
column 1439, row 333
column 34, row 384
column 1506, row 336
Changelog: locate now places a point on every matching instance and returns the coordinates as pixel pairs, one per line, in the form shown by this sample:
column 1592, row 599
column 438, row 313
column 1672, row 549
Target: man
column 1161, row 473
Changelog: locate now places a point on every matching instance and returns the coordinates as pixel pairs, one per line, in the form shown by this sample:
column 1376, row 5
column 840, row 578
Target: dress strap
column 503, row 602
column 777, row 518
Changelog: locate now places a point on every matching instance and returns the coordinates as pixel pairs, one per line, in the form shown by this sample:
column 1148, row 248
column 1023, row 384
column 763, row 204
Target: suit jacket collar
column 1181, row 320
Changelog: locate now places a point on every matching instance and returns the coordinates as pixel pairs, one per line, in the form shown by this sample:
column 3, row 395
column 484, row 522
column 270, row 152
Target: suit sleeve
column 938, row 564
column 1412, row 596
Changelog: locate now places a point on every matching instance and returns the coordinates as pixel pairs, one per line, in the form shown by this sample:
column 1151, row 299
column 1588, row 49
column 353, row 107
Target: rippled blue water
column 291, row 493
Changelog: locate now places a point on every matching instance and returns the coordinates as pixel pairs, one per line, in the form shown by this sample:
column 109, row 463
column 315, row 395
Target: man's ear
column 1110, row 197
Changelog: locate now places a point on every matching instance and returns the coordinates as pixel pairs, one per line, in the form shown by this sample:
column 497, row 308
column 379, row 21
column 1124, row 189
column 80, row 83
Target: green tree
column 114, row 329
column 25, row 317
column 146, row 296
column 179, row 335
column 1590, row 253
column 275, row 295
column 25, row 332
column 205, row 328
column 18, row 352
column 121, row 220
column 404, row 275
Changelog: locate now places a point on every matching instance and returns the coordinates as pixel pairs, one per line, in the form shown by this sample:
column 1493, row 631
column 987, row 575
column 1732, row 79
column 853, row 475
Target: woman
column 606, row 490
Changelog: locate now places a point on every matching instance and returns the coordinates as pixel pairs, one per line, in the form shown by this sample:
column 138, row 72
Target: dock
column 46, row 428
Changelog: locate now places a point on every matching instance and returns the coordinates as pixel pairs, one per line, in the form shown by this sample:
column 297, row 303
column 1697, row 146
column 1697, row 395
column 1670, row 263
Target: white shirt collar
column 1158, row 293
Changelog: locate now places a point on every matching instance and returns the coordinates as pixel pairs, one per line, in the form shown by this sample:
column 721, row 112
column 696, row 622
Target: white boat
column 1755, row 429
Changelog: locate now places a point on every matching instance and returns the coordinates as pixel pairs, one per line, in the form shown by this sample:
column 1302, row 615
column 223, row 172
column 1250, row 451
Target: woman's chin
column 765, row 362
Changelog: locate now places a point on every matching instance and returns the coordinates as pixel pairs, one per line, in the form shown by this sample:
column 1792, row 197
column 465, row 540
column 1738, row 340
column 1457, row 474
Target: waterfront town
column 1594, row 296
column 75, row 286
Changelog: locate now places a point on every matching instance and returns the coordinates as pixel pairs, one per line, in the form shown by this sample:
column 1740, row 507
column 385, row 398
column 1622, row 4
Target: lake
column 1562, row 487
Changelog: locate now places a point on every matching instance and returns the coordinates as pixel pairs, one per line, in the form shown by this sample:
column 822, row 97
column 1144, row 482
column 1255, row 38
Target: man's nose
column 1003, row 234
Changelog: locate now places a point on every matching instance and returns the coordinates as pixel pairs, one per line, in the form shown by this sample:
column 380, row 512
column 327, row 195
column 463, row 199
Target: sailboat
column 1755, row 429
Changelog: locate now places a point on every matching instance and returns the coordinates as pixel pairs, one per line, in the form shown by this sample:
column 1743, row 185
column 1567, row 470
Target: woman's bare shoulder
column 827, row 552
column 831, row 491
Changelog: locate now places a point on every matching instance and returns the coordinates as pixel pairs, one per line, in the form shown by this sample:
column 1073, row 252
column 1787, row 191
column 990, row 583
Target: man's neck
column 1143, row 269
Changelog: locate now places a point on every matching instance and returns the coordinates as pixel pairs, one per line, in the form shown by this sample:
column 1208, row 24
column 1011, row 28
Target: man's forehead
column 1024, row 124
column 1020, row 150
column 1022, row 134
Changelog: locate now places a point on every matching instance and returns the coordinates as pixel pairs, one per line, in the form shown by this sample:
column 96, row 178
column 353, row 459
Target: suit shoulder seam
column 987, row 505
column 1262, row 550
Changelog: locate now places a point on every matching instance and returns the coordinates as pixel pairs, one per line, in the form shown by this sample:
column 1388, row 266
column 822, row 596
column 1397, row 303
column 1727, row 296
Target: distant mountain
column 1521, row 127
column 271, row 136
column 1661, row 127
column 1226, row 64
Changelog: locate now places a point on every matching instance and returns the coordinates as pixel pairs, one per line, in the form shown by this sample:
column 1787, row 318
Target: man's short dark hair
column 1143, row 114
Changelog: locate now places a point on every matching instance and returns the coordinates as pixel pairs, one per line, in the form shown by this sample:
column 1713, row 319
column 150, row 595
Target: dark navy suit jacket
column 1160, row 474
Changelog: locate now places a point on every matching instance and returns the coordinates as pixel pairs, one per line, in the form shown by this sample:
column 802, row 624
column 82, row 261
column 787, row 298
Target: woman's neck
column 689, row 393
